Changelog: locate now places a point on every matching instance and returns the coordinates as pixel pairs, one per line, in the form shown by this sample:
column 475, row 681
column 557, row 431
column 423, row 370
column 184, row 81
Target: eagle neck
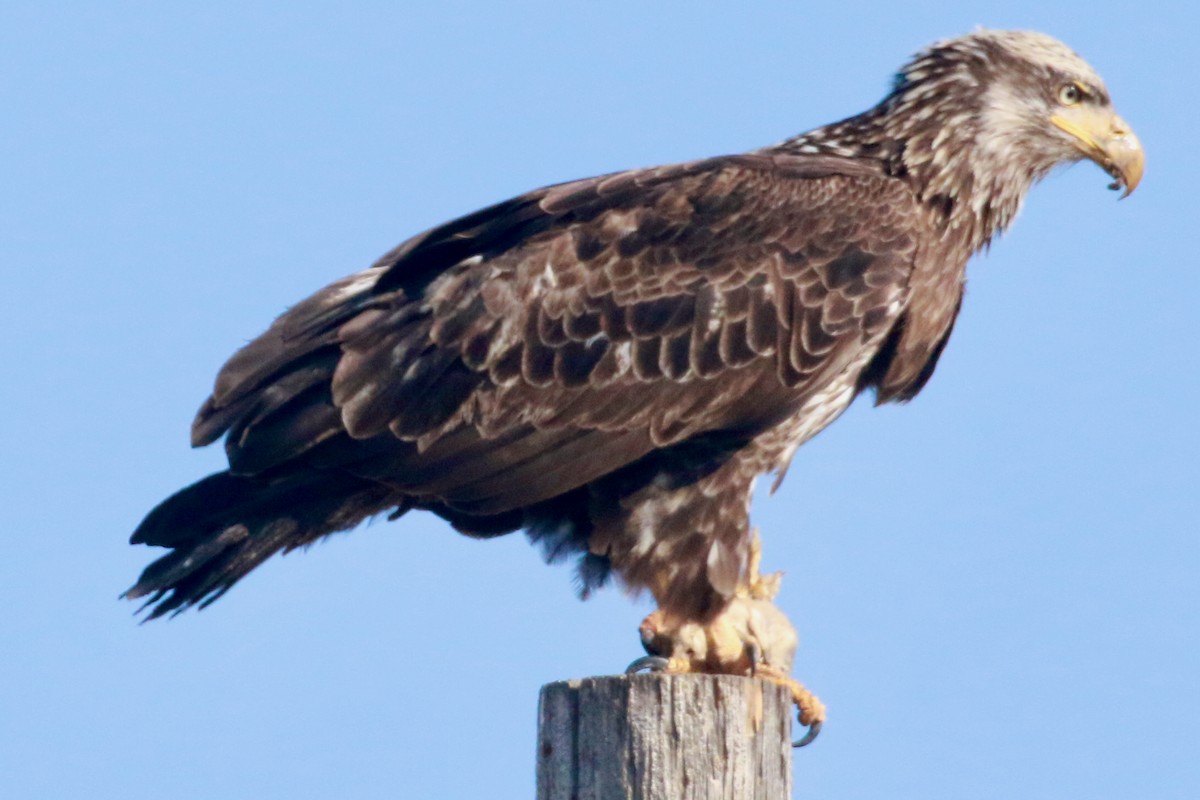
column 937, row 148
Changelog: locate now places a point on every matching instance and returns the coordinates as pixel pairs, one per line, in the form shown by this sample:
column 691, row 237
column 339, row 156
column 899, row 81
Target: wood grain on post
column 664, row 737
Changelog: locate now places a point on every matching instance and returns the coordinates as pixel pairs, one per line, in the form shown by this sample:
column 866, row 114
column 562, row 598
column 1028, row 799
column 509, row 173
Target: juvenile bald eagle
column 609, row 363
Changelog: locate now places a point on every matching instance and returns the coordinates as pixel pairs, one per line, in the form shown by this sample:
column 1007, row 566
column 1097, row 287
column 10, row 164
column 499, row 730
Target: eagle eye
column 1070, row 94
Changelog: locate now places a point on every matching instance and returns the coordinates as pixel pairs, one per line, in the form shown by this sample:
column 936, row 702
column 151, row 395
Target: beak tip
column 1129, row 160
column 1129, row 182
column 1107, row 140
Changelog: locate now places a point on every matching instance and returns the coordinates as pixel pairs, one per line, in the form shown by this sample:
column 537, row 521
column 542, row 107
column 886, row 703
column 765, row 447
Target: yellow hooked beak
column 1106, row 139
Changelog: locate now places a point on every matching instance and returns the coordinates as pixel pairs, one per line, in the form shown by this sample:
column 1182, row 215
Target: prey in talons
column 750, row 636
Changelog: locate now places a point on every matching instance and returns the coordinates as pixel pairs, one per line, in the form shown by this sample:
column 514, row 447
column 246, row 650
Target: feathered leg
column 750, row 636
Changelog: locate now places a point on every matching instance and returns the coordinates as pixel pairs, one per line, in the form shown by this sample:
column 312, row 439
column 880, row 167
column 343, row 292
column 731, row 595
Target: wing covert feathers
column 565, row 339
column 650, row 301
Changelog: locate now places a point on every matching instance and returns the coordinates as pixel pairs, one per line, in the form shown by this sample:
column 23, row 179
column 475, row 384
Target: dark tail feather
column 222, row 527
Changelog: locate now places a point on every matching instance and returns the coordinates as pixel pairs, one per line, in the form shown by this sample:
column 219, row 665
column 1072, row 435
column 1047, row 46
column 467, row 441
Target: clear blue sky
column 995, row 585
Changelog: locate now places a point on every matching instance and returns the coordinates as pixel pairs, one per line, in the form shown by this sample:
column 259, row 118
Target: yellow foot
column 749, row 637
column 809, row 709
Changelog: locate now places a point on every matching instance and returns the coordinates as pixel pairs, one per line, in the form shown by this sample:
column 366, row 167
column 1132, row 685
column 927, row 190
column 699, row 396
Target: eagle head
column 984, row 116
column 1041, row 105
column 972, row 122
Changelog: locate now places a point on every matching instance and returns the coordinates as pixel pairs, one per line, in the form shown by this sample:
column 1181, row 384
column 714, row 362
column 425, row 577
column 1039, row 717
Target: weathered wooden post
column 664, row 737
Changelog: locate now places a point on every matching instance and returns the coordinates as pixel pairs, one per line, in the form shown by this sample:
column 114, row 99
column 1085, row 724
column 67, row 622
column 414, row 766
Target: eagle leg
column 749, row 636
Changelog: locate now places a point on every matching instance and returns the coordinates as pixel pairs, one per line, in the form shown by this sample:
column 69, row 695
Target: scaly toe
column 810, row 711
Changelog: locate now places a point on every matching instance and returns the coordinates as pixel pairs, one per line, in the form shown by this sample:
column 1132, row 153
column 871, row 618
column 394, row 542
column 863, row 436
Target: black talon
column 808, row 738
column 754, row 654
column 652, row 663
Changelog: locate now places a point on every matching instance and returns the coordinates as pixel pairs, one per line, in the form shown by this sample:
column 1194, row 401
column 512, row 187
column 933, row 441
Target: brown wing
column 527, row 349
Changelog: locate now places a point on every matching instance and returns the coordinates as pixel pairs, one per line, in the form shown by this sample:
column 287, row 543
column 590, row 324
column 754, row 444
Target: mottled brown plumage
column 609, row 363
